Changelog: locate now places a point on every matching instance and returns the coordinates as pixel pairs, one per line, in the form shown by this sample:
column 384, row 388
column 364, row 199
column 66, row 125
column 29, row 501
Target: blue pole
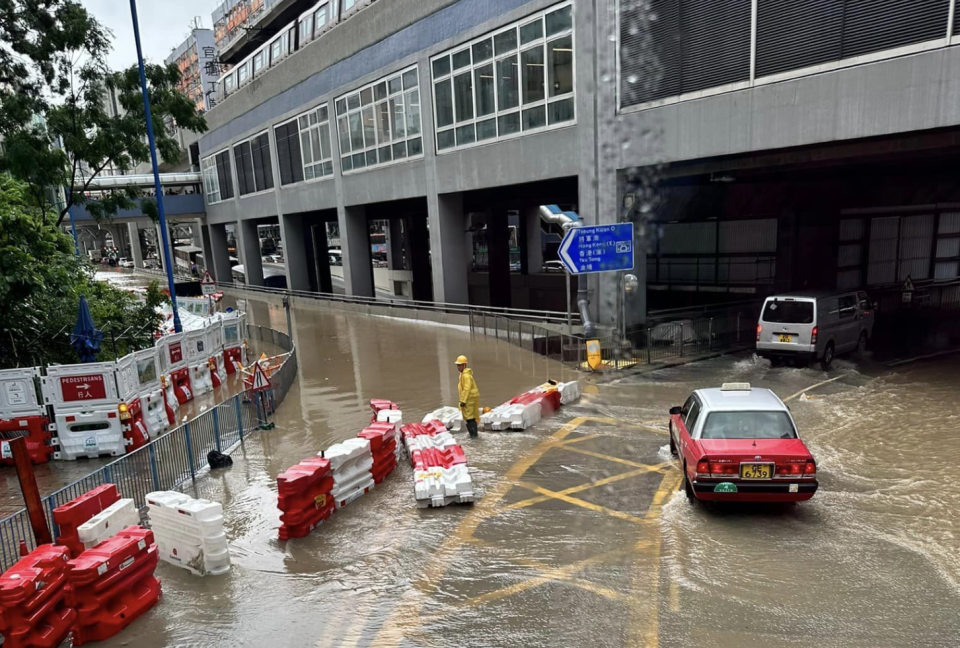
column 167, row 261
column 73, row 228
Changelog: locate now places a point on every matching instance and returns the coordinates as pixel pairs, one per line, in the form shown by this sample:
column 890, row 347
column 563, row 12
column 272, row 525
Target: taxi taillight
column 703, row 468
column 810, row 468
column 722, row 468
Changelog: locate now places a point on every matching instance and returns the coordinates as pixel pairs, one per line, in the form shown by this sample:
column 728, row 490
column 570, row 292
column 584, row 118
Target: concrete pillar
column 448, row 248
column 295, row 242
column 204, row 234
column 498, row 254
column 321, row 258
column 219, row 256
column 248, row 246
column 394, row 233
column 530, row 217
column 355, row 244
column 136, row 254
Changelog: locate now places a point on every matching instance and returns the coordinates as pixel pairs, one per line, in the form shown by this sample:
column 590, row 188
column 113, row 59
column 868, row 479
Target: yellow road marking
column 547, row 570
column 582, row 487
column 579, row 502
column 586, row 437
column 598, row 455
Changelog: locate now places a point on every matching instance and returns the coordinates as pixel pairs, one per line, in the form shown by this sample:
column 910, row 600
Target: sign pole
column 569, row 307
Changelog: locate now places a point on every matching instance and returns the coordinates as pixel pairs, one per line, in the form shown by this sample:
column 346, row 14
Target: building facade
column 758, row 144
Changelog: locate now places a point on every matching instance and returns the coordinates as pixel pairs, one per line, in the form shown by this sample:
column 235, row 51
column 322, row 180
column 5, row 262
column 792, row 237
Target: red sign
column 176, row 353
column 83, row 388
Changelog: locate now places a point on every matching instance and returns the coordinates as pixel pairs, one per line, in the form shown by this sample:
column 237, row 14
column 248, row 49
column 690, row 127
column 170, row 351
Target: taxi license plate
column 756, row 471
column 786, row 338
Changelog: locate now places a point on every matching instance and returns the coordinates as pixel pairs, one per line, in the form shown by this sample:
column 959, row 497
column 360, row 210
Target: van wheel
column 827, row 358
column 862, row 343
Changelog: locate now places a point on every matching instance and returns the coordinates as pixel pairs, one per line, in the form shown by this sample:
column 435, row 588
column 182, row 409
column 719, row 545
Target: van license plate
column 786, row 338
column 756, row 471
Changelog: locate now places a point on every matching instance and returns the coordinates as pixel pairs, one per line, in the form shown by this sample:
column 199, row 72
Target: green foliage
column 55, row 122
column 41, row 282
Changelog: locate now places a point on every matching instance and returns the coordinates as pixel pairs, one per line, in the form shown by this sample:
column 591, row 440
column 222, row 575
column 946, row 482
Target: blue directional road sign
column 601, row 248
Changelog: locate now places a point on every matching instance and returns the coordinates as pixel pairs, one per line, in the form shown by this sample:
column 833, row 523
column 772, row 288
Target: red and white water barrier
column 33, row 609
column 352, row 465
column 528, row 408
column 72, row 515
column 382, row 437
column 305, row 497
column 440, row 475
column 112, row 585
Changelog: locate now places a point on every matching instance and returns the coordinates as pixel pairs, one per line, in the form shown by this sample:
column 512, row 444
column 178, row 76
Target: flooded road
column 580, row 536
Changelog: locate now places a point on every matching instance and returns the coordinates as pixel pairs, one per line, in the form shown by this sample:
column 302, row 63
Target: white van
column 814, row 326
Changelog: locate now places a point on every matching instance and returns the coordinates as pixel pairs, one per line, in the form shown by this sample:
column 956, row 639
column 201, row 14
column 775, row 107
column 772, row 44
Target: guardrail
column 168, row 461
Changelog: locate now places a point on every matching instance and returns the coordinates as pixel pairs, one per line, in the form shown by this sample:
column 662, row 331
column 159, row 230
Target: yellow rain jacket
column 470, row 395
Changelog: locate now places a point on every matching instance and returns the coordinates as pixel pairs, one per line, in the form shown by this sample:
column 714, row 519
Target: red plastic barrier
column 71, row 515
column 38, row 440
column 304, row 497
column 33, row 612
column 230, row 356
column 134, row 429
column 181, row 385
column 383, row 446
column 379, row 404
column 112, row 585
column 549, row 401
column 437, row 457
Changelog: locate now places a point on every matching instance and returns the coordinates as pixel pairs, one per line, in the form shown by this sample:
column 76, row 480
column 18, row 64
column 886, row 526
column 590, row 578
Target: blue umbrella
column 86, row 338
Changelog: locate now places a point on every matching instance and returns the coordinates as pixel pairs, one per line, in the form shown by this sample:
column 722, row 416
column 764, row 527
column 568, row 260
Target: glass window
column 486, row 129
column 792, row 312
column 258, row 61
column 534, row 118
column 399, row 150
column 848, row 306
column 691, row 421
column 505, row 41
column 356, row 131
column 366, row 97
column 380, row 91
column 399, row 125
column 415, row 146
column 441, row 67
column 386, row 153
column 409, row 79
column 560, row 20
column 224, row 176
column 531, row 61
column 445, row 140
column 412, row 109
column 561, row 111
column 509, row 124
column 306, row 148
column 484, row 88
column 531, row 31
column 443, row 95
column 461, row 59
column 276, row 51
column 383, row 122
column 508, row 83
column 395, row 85
column 748, row 425
column 466, row 135
column 353, row 101
column 482, row 51
column 344, row 128
column 560, row 64
column 320, row 17
column 369, row 126
column 306, row 29
column 341, row 106
column 463, row 96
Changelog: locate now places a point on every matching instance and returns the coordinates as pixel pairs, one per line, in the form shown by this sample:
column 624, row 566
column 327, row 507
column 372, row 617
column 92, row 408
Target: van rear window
column 784, row 312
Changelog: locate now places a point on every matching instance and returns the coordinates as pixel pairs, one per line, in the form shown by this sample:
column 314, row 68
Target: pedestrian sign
column 260, row 380
column 600, row 248
column 207, row 285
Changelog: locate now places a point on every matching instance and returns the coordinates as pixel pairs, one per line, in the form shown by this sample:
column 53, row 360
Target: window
column 748, row 425
column 865, row 304
column 692, row 416
column 243, row 73
column 788, row 312
column 314, row 132
column 306, row 28
column 217, row 183
column 289, row 158
column 848, row 306
column 276, row 50
column 380, row 123
column 516, row 80
column 254, row 170
column 259, row 62
column 229, row 84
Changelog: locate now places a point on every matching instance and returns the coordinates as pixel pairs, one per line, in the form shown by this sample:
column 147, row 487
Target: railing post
column 216, row 427
column 152, row 451
column 54, row 527
column 649, row 334
column 106, row 475
column 236, row 401
column 738, row 328
column 683, row 338
column 193, row 466
column 710, row 333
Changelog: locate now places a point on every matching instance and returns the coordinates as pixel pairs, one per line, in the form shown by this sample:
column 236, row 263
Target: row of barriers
column 172, row 458
column 112, row 408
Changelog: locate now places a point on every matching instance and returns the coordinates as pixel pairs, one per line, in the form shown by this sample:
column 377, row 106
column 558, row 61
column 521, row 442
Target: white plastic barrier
column 442, row 486
column 451, row 417
column 89, row 434
column 189, row 532
column 436, row 442
column 201, row 382
column 511, row 417
column 351, row 462
column 108, row 523
column 569, row 392
column 155, row 413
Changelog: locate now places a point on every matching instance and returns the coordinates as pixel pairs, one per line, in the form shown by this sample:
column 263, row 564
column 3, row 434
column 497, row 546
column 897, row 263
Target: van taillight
column 759, row 331
column 813, row 336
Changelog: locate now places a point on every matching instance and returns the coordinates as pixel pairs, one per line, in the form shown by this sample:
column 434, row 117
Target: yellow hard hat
column 462, row 360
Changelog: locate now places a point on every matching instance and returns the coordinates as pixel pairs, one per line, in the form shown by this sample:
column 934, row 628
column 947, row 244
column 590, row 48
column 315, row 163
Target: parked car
column 739, row 443
column 125, row 263
column 553, row 266
column 814, row 326
column 151, row 264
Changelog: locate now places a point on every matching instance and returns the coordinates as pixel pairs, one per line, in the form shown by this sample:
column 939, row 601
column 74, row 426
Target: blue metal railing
column 169, row 460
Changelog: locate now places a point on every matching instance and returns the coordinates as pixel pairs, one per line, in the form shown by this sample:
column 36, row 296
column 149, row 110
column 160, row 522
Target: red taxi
column 741, row 444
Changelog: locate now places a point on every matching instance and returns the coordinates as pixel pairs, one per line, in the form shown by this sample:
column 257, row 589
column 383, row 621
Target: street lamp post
column 164, row 235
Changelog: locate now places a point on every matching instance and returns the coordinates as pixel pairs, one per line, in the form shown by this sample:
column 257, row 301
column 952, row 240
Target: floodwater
column 580, row 536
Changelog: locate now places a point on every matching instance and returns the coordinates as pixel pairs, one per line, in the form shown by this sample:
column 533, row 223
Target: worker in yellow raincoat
column 469, row 396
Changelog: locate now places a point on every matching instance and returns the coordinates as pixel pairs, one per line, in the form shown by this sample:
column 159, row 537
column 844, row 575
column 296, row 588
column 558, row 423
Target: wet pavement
column 580, row 536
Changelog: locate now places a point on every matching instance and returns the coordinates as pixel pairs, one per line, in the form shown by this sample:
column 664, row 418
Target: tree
column 41, row 281
column 56, row 126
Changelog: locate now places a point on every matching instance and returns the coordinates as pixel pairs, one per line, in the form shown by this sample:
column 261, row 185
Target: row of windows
column 516, row 80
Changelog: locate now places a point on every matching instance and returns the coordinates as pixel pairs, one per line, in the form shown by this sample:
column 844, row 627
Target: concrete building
column 759, row 144
column 196, row 58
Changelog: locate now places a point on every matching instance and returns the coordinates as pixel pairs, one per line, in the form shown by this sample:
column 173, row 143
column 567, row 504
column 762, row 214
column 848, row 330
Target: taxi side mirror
column 676, row 410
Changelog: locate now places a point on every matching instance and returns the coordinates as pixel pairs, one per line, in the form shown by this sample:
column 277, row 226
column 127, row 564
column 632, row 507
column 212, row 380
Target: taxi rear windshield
column 748, row 425
column 792, row 312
